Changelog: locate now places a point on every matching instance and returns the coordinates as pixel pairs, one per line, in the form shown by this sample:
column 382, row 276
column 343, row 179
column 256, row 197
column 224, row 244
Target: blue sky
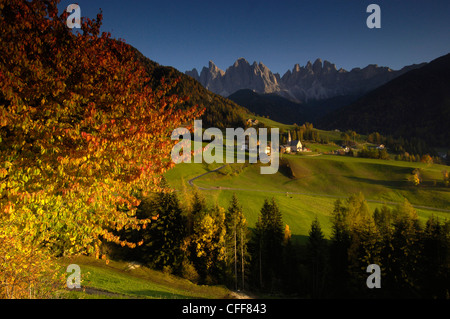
column 187, row 34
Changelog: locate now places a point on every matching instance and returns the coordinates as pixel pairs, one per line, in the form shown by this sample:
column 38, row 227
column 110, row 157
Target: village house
column 343, row 151
column 251, row 122
column 246, row 147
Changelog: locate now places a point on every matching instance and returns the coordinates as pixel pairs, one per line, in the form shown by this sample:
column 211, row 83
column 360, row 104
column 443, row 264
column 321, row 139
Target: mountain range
column 303, row 84
column 413, row 102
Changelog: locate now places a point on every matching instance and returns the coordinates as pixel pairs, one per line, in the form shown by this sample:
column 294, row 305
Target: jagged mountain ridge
column 315, row 81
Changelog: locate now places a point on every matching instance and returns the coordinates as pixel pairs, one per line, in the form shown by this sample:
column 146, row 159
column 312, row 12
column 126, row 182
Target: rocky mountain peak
column 193, row 73
column 329, row 67
column 241, row 62
column 315, row 81
column 214, row 69
column 317, row 66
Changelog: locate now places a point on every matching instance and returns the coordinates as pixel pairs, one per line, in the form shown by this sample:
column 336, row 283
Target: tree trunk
column 235, row 256
column 242, row 259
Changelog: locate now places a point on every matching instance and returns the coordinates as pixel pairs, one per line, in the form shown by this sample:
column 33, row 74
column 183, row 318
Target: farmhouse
column 246, row 147
column 251, row 122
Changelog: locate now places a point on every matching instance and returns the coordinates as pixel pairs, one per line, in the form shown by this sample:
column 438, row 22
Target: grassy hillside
column 124, row 280
column 272, row 105
column 307, row 186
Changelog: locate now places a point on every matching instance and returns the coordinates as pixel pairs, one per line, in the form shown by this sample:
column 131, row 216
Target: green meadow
column 122, row 280
column 307, row 186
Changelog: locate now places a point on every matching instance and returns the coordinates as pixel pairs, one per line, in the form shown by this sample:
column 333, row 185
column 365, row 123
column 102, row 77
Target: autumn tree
column 345, row 138
column 406, row 243
column 81, row 132
column 365, row 240
column 416, row 177
column 446, row 177
column 208, row 244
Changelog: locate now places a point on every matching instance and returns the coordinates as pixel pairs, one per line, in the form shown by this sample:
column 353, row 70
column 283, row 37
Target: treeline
column 414, row 258
column 373, row 153
column 213, row 245
column 305, row 132
column 411, row 149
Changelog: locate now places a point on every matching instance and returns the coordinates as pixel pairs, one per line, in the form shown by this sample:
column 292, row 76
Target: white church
column 292, row 146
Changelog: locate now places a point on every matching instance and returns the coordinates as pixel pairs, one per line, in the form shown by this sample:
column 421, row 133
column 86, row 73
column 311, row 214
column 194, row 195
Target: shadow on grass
column 299, row 239
column 147, row 293
column 395, row 184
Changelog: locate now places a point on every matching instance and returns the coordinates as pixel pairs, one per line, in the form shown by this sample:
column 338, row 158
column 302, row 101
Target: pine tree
column 435, row 259
column 339, row 244
column 163, row 238
column 195, row 207
column 406, row 249
column 270, row 232
column 317, row 258
column 290, row 265
column 255, row 249
column 167, row 233
column 245, row 256
column 383, row 219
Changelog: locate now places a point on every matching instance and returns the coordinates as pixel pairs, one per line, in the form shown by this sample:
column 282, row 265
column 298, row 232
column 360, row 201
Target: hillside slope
column 283, row 110
column 219, row 111
column 272, row 105
column 416, row 104
column 122, row 280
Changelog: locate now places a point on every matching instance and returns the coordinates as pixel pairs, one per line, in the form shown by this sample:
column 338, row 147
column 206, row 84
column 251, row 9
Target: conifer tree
column 196, row 207
column 290, row 275
column 167, row 232
column 317, row 258
column 435, row 259
column 339, row 245
column 365, row 241
column 269, row 245
column 406, row 249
